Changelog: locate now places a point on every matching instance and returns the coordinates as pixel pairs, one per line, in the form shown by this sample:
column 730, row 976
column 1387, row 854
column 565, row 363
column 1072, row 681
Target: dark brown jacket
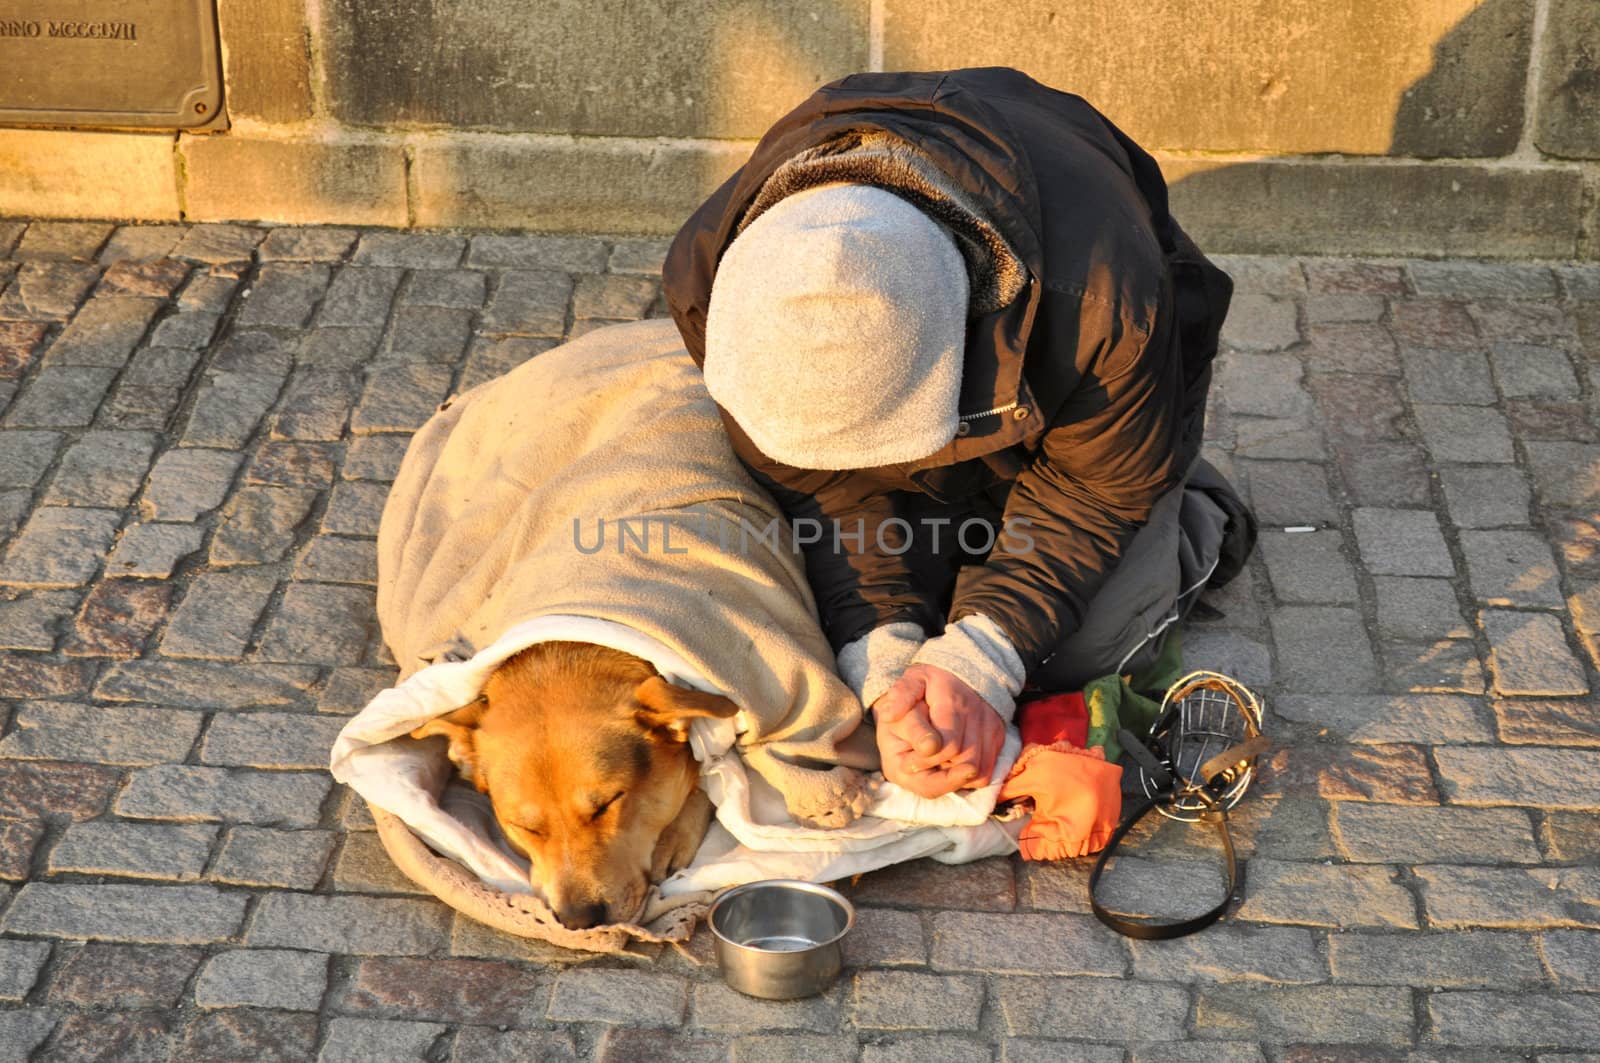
column 1082, row 401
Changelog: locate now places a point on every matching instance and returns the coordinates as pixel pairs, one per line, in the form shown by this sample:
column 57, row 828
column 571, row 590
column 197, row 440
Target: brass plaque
column 141, row 64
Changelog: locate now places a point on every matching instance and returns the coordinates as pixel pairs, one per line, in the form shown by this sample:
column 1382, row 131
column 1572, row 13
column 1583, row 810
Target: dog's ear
column 458, row 727
column 664, row 707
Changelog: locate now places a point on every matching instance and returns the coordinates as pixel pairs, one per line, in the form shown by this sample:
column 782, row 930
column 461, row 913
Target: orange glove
column 1076, row 795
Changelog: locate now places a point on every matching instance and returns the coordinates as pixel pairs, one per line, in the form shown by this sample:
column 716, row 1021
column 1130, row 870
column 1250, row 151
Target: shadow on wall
column 1468, row 106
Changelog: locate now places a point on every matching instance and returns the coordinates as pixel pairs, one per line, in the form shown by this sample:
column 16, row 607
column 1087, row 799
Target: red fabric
column 1058, row 718
column 1076, row 796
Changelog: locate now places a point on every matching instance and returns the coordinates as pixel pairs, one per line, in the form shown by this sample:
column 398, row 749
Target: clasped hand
column 936, row 735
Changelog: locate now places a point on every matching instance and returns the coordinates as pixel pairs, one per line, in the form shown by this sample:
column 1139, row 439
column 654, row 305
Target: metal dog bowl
column 780, row 939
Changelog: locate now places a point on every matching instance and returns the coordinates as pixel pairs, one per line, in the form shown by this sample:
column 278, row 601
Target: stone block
column 269, row 739
column 229, row 407
column 1485, row 496
column 618, row 997
column 364, row 866
column 1569, row 85
column 172, row 915
column 1457, row 378
column 1536, row 777
column 59, row 547
column 1462, row 958
column 457, row 289
column 1393, row 774
column 195, row 794
column 284, row 295
column 1364, row 1015
column 54, row 173
column 1436, row 719
column 1245, row 91
column 540, row 251
column 1006, row 943
column 984, row 885
column 41, row 790
column 26, row 455
column 1278, row 954
column 61, row 397
column 1566, row 474
column 102, row 469
column 1085, row 1008
column 206, row 684
column 1512, row 568
column 1377, row 209
column 399, row 398
column 300, row 181
column 56, row 730
column 1323, row 649
column 20, row 964
column 1511, row 898
column 1316, row 894
column 1528, row 654
column 1290, row 492
column 581, row 186
column 732, row 80
column 47, row 291
column 1501, row 1019
column 1547, row 721
column 1406, row 834
column 480, row 992
column 909, row 1000
column 378, row 1040
column 217, row 615
column 258, row 525
column 133, row 850
column 123, row 976
column 1402, row 542
column 1433, row 324
column 1464, row 433
column 362, row 926
column 268, row 60
column 1437, row 666
column 428, row 334
column 718, row 1007
column 220, row 245
column 103, row 332
column 1308, row 567
column 320, row 623
column 1411, row 608
column 287, row 859
column 1528, row 371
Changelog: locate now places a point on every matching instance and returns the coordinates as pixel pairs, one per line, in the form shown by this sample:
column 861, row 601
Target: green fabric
column 1134, row 701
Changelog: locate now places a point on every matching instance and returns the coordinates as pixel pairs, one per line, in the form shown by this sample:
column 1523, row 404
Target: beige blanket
column 612, row 441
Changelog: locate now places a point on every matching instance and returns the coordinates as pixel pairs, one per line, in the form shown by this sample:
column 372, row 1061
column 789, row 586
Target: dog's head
column 585, row 759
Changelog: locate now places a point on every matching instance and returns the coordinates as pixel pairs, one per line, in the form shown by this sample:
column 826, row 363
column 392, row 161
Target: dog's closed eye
column 601, row 808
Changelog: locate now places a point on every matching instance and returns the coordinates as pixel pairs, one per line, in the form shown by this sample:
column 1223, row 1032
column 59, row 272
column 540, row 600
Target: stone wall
column 1460, row 127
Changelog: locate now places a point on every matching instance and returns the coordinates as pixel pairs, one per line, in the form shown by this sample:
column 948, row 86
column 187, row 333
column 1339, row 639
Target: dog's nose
column 582, row 915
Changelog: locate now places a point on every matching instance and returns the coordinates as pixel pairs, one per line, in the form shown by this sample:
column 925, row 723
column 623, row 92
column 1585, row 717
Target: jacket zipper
column 987, row 413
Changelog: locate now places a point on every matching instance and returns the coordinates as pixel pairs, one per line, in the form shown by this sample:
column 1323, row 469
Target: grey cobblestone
column 1512, row 898
column 320, row 623
column 428, row 334
column 400, row 398
column 529, row 303
column 258, row 525
column 1402, row 542
column 285, row 295
column 1032, row 1007
column 364, row 866
column 1283, row 955
column 186, row 483
column 53, row 730
column 1511, row 568
column 1319, row 1014
column 228, row 409
column 1391, row 834
column 616, row 997
column 1448, row 377
column 362, row 926
column 410, row 250
column 359, row 296
column 573, row 253
column 64, row 396
column 25, row 455
column 141, row 243
column 263, row 978
column 1324, row 649
column 133, row 850
column 910, row 1000
column 1473, row 958
column 206, row 684
column 378, row 1041
column 103, row 332
column 306, row 245
column 269, row 739
column 1471, row 1017
column 46, row 291
column 20, row 964
column 287, row 859
column 1308, row 567
column 206, row 794
column 60, row 547
column 717, row 1007
column 1545, row 721
column 1317, row 894
column 33, row 620
column 1023, row 944
column 460, row 289
column 331, row 559
column 172, row 915
column 1485, row 496
column 218, row 614
column 1411, row 608
column 1528, row 654
column 1550, row 778
column 219, row 244
column 1464, row 433
column 102, row 469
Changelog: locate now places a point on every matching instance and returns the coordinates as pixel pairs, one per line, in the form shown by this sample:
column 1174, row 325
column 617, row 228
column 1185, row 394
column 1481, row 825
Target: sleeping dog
column 583, row 751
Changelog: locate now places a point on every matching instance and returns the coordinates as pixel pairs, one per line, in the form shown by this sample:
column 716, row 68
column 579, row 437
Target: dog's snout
column 581, row 915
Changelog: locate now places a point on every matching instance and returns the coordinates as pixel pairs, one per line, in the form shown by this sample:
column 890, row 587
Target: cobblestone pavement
column 197, row 429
